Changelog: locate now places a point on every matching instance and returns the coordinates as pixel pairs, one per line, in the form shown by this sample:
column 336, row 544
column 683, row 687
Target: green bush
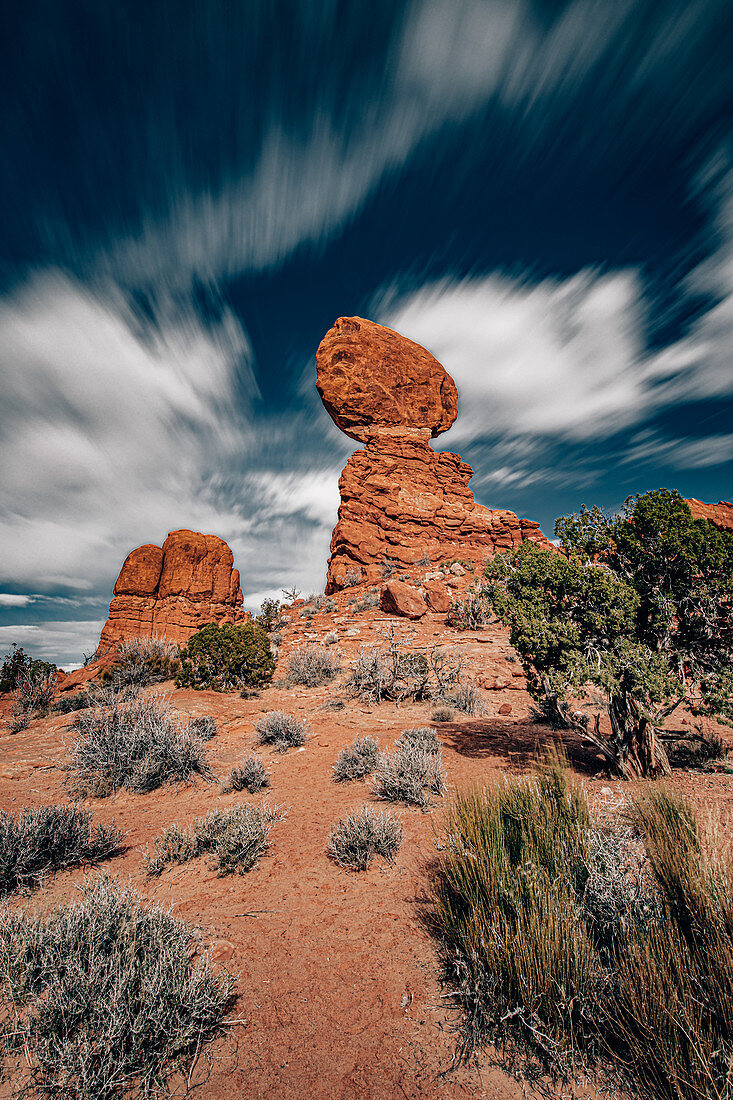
column 101, row 999
column 227, row 658
column 638, row 605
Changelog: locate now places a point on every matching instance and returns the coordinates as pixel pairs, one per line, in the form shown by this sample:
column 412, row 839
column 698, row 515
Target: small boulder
column 437, row 596
column 398, row 598
column 505, row 708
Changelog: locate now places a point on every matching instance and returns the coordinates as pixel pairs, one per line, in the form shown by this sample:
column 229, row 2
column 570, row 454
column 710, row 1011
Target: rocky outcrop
column 721, row 514
column 174, row 590
column 402, row 504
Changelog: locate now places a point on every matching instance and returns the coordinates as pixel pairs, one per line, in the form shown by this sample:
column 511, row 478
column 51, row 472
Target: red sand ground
column 339, row 987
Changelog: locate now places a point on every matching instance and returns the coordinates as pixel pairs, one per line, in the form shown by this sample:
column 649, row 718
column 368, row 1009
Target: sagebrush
column 237, row 837
column 36, row 842
column 311, row 665
column 101, row 998
column 134, row 742
column 356, row 761
column 281, row 730
column 356, row 839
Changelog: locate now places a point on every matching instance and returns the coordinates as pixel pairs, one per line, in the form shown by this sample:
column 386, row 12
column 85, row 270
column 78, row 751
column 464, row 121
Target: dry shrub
column 134, row 742
column 409, row 775
column 35, row 843
column 391, row 671
column 251, row 776
column 33, row 694
column 442, row 714
column 421, row 737
column 311, row 665
column 355, row 840
column 101, row 997
column 356, row 761
column 237, row 837
column 141, row 661
column 466, row 698
column 282, row 731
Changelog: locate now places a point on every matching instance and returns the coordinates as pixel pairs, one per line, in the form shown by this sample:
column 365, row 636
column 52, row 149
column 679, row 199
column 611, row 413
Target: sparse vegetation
column 331, row 638
column 142, row 661
column 351, row 578
column 34, row 692
column 583, row 946
column 73, row 700
column 442, row 714
column 101, row 997
column 251, row 775
column 312, row 665
column 270, row 617
column 356, row 839
column 237, row 837
column 466, row 698
column 471, row 612
column 134, row 742
column 227, row 658
column 204, row 726
column 395, row 672
column 421, row 737
column 37, row 842
column 367, row 602
column 639, row 606
column 18, row 664
column 409, row 775
column 282, row 731
column 357, row 761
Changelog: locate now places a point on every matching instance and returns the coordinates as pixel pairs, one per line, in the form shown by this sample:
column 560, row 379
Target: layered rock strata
column 721, row 514
column 173, row 590
column 402, row 503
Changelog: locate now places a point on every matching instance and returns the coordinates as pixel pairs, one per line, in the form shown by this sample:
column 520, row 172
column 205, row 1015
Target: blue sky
column 541, row 193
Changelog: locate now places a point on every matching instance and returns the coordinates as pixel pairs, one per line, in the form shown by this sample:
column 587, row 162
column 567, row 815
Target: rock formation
column 401, row 502
column 721, row 514
column 174, row 590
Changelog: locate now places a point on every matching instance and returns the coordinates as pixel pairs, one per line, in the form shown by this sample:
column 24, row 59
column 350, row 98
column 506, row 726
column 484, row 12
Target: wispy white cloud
column 8, row 599
column 61, row 642
column 650, row 448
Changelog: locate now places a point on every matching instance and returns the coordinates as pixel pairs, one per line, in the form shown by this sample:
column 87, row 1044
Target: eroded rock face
column 721, row 514
column 401, row 502
column 174, row 590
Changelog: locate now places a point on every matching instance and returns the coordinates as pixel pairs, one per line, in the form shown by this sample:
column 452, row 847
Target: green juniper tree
column 638, row 605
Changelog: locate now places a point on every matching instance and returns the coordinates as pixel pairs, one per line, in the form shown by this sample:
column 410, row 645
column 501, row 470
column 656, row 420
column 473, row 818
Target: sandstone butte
column 401, row 501
column 174, row 590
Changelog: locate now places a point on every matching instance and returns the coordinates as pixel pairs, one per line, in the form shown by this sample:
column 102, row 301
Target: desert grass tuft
column 251, row 775
column 409, row 775
column 282, row 731
column 311, row 665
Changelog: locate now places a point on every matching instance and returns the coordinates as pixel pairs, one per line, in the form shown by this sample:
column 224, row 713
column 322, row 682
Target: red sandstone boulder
column 398, row 598
column 174, row 590
column 721, row 514
column 437, row 596
column 372, row 380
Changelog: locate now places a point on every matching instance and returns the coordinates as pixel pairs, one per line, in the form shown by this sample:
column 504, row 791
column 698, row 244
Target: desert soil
column 339, row 983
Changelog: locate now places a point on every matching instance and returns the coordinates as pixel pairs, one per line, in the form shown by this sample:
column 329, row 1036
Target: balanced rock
column 402, row 504
column 721, row 514
column 173, row 590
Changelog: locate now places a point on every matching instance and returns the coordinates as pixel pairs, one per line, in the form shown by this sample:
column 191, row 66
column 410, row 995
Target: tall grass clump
column 312, row 665
column 583, row 946
column 282, row 731
column 35, row 843
column 358, row 760
column 101, row 997
column 237, row 837
column 356, row 839
column 133, row 742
